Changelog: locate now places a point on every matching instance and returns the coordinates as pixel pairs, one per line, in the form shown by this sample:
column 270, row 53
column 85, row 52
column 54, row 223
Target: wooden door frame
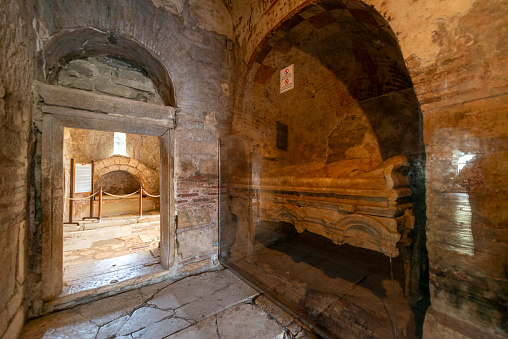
column 62, row 107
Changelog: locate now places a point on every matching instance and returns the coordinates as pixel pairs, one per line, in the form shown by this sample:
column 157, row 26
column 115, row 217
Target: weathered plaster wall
column 16, row 68
column 455, row 52
column 194, row 58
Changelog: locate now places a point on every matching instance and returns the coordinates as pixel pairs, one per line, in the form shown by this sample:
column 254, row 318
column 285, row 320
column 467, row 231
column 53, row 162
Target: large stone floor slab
column 209, row 305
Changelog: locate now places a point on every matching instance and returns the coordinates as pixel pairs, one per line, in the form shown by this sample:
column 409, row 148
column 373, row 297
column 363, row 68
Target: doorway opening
column 107, row 87
column 111, row 230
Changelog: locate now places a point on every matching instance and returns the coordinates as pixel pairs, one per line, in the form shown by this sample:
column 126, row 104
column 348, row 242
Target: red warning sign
column 287, row 78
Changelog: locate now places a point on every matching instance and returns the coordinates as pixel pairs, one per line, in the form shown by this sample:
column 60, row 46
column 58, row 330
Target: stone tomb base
column 344, row 290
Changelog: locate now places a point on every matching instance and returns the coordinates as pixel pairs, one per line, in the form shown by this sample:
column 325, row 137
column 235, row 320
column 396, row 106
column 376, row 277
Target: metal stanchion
column 92, row 198
column 100, row 204
column 71, row 202
column 141, row 202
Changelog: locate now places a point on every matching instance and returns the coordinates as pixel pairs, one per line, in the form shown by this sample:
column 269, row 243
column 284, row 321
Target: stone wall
column 87, row 145
column 149, row 178
column 16, row 68
column 351, row 102
column 455, row 52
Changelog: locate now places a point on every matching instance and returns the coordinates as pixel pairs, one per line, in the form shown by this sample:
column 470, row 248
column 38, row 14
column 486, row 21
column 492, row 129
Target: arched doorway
column 104, row 110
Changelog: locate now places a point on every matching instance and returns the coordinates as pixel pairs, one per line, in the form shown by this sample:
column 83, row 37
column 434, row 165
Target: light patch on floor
column 101, row 273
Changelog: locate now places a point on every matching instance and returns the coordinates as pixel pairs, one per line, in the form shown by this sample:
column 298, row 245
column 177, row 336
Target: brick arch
column 148, row 177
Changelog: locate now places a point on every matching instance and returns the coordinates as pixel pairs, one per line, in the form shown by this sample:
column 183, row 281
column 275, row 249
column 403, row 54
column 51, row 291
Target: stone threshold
column 71, row 300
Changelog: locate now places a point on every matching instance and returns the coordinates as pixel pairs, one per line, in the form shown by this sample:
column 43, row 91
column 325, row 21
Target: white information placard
column 83, row 178
column 287, row 78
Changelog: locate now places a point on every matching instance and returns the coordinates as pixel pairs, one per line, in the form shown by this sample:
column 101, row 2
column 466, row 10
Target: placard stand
column 71, row 195
column 81, row 182
column 92, row 197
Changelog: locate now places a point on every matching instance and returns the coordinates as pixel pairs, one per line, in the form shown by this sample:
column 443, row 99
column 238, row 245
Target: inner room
column 112, row 226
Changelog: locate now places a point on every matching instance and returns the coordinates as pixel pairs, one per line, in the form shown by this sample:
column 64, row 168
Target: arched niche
column 118, row 182
column 353, row 99
column 68, row 45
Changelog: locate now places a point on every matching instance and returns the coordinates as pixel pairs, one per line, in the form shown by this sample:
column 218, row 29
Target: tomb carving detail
column 357, row 202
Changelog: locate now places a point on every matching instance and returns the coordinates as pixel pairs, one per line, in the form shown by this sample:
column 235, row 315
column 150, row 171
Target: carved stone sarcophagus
column 359, row 202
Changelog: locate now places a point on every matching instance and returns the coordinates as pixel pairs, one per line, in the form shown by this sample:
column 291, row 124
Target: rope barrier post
column 92, row 198
column 71, row 202
column 100, row 204
column 141, row 202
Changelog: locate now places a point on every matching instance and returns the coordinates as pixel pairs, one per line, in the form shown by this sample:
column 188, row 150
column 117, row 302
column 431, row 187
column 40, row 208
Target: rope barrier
column 82, row 198
column 119, row 196
column 113, row 195
column 153, row 196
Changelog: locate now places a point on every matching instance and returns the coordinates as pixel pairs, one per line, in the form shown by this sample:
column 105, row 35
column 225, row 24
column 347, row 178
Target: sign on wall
column 287, row 78
column 83, row 178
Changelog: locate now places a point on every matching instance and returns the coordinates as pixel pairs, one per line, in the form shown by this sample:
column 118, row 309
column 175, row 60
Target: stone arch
column 71, row 44
column 149, row 178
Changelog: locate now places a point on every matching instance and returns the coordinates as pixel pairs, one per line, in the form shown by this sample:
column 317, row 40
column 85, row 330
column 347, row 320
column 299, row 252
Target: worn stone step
column 90, row 225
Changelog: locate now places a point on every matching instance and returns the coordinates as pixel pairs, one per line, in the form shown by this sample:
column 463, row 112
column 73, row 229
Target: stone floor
column 112, row 237
column 114, row 251
column 210, row 305
column 345, row 290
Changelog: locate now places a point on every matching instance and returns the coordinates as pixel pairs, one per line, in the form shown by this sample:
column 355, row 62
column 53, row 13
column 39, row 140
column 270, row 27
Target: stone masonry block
column 133, row 162
column 109, row 162
column 123, row 161
column 111, row 88
column 141, row 167
column 196, row 241
column 100, row 172
column 133, row 170
column 53, row 95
